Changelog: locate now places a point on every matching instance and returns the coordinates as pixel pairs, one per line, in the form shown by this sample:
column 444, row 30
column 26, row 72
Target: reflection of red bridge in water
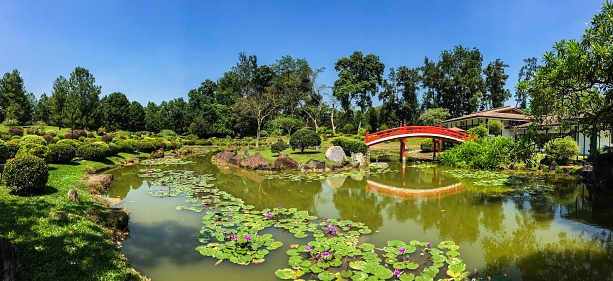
column 404, row 132
column 405, row 193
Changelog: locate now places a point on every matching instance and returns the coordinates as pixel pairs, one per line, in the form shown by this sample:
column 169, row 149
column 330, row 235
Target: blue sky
column 159, row 50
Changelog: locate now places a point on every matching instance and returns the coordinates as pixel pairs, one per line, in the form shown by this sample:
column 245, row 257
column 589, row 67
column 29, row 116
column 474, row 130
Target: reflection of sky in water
column 529, row 240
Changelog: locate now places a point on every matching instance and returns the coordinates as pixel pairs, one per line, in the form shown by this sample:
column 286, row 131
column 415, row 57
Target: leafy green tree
column 116, row 111
column 526, row 73
column 82, row 101
column 434, row 116
column 574, row 87
column 562, row 150
column 13, row 98
column 178, row 115
column 304, row 138
column 137, row 117
column 228, row 88
column 359, row 78
column 287, row 123
column 495, row 79
column 152, row 124
column 42, row 111
column 57, row 103
column 495, row 126
column 292, row 81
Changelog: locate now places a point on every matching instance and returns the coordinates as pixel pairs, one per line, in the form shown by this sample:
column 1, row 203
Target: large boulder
column 224, row 156
column 285, row 163
column 9, row 261
column 335, row 154
column 255, row 161
column 603, row 171
column 236, row 160
column 336, row 167
column 553, row 167
column 157, row 154
column 316, row 165
column 358, row 160
column 103, row 179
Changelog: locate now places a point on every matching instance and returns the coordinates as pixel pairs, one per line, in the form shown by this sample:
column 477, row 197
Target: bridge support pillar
column 403, row 150
column 440, row 143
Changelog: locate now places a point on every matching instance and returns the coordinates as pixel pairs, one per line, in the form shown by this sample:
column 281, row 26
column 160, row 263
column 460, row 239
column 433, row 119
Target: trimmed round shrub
column 90, row 135
column 106, row 138
column 12, row 123
column 159, row 144
column 562, row 150
column 189, row 142
column 75, row 143
column 278, row 146
column 71, row 136
column 191, row 137
column 101, row 132
column 26, row 174
column 204, row 142
column 426, row 145
column 304, row 138
column 383, row 127
column 125, row 146
column 113, row 149
column 145, row 146
column 32, row 131
column 173, row 145
column 4, row 152
column 32, row 139
column 478, row 131
column 80, row 133
column 49, row 139
column 61, row 153
column 495, row 126
column 53, row 132
column 350, row 146
column 348, row 128
column 40, row 151
column 94, row 151
column 13, row 147
column 15, row 132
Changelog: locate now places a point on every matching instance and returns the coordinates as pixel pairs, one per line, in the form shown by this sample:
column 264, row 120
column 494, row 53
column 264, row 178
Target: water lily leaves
column 365, row 231
column 285, row 273
column 407, row 277
column 315, row 269
column 292, row 252
column 359, row 276
column 452, row 253
column 412, row 265
column 357, row 265
column 326, row 276
column 301, row 235
column 367, row 247
column 458, row 268
column 395, row 243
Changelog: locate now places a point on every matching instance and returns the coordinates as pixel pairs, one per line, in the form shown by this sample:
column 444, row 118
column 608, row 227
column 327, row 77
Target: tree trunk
column 332, row 121
column 9, row 262
column 593, row 144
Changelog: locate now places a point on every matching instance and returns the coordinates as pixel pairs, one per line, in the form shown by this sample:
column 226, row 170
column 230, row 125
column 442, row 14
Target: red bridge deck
column 415, row 132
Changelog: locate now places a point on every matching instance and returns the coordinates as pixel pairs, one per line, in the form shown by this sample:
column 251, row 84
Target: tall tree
column 152, row 124
column 178, row 115
column 526, row 73
column 137, row 117
column 409, row 80
column 13, row 98
column 434, row 116
column 42, row 111
column 259, row 100
column 116, row 111
column 57, row 103
column 83, row 100
column 495, row 79
column 359, row 78
column 293, row 80
column 574, row 87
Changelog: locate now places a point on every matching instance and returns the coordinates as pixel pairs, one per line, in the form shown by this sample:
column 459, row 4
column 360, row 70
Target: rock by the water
column 336, row 167
column 255, row 161
column 283, row 154
column 73, row 195
column 230, row 150
column 320, row 166
column 236, row 160
column 172, row 154
column 305, row 167
column 267, row 169
column 9, row 261
column 357, row 160
column 285, row 163
column 247, row 152
column 157, row 154
column 566, row 170
column 553, row 167
column 540, row 167
column 315, row 164
column 586, row 172
column 103, row 179
column 224, row 156
column 335, row 154
column 603, row 171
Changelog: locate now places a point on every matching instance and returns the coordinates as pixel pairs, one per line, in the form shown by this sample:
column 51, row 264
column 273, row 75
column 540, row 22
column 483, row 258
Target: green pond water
column 564, row 236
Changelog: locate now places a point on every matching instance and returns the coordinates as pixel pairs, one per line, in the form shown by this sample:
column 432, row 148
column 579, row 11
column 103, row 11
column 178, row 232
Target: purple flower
column 280, row 208
column 333, row 232
column 224, row 231
column 308, row 248
column 247, row 237
column 401, row 250
column 330, row 226
column 325, row 219
column 268, row 212
column 398, row 272
column 266, row 215
column 229, row 211
column 429, row 244
column 325, row 254
column 214, row 219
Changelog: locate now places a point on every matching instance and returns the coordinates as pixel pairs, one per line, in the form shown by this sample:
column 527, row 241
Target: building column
column 402, row 149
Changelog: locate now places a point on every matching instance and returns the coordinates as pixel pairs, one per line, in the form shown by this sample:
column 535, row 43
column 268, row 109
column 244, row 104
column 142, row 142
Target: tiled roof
column 505, row 112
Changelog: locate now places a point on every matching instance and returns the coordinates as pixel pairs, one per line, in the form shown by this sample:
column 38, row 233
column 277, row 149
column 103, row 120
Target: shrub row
column 350, row 146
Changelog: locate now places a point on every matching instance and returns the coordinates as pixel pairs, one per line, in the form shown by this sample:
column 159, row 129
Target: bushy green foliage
column 478, row 131
column 15, row 132
column 32, row 131
column 479, row 154
column 495, row 126
column 562, row 150
column 304, row 138
column 53, row 132
column 13, row 147
column 94, row 151
column 263, row 133
column 40, row 151
column 61, row 153
column 106, row 138
column 426, row 145
column 26, row 174
column 4, row 152
column 145, row 146
column 362, row 132
column 173, row 145
column 113, row 150
column 32, row 139
column 49, row 139
column 350, row 146
column 191, row 137
column 125, row 146
column 11, row 123
column 348, row 128
column 75, row 143
column 167, row 133
column 383, row 127
column 278, row 146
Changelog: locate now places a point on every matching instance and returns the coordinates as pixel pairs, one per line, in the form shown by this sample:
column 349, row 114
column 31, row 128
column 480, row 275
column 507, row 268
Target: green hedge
column 26, row 174
column 426, row 145
column 94, row 151
column 61, row 153
column 40, row 151
column 479, row 154
column 32, row 139
column 350, row 146
column 4, row 152
column 562, row 150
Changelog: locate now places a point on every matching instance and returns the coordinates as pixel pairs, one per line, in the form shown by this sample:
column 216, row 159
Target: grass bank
column 58, row 239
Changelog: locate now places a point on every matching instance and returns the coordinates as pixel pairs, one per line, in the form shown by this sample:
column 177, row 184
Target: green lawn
column 62, row 240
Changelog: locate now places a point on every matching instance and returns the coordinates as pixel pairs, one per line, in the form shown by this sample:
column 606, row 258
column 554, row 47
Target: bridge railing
column 408, row 130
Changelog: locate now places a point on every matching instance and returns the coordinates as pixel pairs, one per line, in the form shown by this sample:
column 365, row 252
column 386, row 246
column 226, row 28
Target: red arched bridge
column 437, row 133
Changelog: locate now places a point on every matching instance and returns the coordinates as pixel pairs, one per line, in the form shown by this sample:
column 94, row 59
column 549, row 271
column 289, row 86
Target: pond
column 559, row 234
